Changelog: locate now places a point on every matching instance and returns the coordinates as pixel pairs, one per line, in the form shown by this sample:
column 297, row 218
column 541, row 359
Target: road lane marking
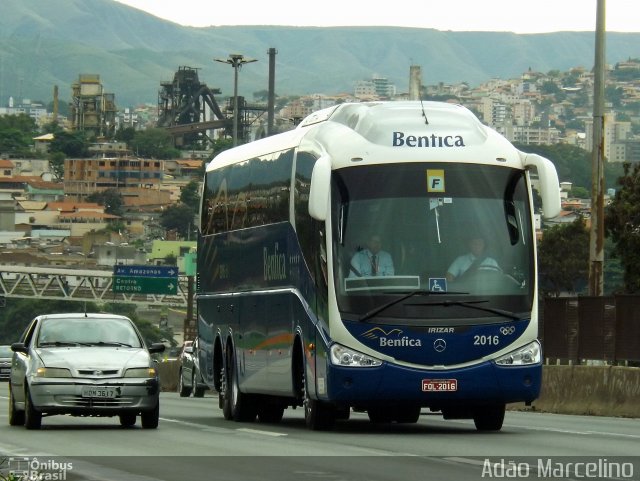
column 259, row 431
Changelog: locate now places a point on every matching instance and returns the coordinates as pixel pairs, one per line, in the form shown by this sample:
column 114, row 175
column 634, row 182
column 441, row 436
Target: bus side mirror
column 320, row 188
column 549, row 185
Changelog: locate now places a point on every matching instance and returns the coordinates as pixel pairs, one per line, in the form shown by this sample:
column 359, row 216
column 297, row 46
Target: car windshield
column 88, row 331
column 5, row 351
column 457, row 232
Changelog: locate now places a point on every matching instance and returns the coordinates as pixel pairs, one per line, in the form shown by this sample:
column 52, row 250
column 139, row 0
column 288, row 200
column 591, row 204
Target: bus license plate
column 99, row 392
column 439, row 385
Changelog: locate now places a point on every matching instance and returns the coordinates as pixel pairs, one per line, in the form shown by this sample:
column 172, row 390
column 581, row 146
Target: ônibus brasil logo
column 393, row 338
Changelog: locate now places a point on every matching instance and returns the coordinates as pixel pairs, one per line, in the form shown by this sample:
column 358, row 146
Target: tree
column 154, row 143
column 71, row 144
column 16, row 134
column 190, row 196
column 126, row 135
column 56, row 164
column 111, row 199
column 563, row 258
column 622, row 224
column 18, row 313
column 178, row 217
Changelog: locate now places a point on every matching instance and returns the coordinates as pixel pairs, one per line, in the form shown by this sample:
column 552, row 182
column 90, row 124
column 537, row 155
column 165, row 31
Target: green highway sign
column 145, row 285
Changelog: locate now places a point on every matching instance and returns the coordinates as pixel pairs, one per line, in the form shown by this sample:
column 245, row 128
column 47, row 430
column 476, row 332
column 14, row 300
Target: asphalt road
column 195, row 442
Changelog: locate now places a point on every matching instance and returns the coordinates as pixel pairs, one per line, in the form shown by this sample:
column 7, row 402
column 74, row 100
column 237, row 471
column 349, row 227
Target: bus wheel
column 318, row 415
column 237, row 405
column 489, row 418
column 407, row 414
column 380, row 415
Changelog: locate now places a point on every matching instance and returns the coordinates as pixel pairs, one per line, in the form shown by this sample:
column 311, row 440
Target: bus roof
column 403, row 131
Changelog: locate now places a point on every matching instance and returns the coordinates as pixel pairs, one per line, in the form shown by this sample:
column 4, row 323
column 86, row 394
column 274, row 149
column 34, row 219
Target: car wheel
column 32, row 417
column 197, row 391
column 16, row 418
column 183, row 390
column 127, row 419
column 151, row 417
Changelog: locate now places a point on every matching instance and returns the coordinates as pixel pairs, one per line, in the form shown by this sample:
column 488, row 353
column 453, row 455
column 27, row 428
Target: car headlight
column 529, row 354
column 53, row 372
column 343, row 356
column 141, row 372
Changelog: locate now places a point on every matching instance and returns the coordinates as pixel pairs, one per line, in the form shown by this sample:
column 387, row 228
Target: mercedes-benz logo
column 439, row 345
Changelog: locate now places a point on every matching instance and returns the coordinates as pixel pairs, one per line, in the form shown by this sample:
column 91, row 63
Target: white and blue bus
column 286, row 319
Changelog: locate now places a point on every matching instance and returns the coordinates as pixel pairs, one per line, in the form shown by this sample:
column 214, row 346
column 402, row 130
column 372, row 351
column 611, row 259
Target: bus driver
column 372, row 261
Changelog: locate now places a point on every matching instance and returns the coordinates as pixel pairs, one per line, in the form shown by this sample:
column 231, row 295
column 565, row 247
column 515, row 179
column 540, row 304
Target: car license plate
column 5, row 370
column 439, row 385
column 99, row 392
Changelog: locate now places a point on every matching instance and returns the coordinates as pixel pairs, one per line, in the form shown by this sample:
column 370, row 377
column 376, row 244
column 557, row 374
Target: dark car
column 83, row 365
column 189, row 378
column 5, row 362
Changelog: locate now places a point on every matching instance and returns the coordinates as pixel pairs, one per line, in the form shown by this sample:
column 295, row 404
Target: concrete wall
column 595, row 390
column 592, row 390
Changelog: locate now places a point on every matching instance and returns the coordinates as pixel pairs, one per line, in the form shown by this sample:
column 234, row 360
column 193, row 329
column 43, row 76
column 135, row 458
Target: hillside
column 46, row 43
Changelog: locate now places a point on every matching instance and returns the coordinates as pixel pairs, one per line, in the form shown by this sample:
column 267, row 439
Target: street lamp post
column 236, row 60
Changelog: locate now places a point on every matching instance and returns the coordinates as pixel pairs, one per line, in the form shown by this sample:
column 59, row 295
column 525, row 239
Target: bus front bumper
column 485, row 383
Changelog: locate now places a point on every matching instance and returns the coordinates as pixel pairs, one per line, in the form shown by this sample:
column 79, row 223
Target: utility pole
column 236, row 60
column 596, row 234
column 271, row 92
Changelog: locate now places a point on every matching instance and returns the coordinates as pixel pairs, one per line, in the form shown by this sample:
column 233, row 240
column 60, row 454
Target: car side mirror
column 19, row 347
column 155, row 347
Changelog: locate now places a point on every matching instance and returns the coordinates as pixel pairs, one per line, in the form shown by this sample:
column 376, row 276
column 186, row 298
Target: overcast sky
column 520, row 16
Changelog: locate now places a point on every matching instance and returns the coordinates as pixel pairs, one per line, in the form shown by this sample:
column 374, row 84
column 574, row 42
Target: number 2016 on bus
column 439, row 385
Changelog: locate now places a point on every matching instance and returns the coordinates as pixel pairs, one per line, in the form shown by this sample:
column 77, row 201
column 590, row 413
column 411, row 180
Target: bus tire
column 489, row 418
column 407, row 414
column 380, row 414
column 238, row 405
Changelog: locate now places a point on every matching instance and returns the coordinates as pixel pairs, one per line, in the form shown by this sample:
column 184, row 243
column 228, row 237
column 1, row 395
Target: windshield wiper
column 111, row 343
column 386, row 305
column 472, row 305
column 58, row 343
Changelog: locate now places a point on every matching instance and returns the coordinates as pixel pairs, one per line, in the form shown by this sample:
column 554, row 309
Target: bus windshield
column 448, row 242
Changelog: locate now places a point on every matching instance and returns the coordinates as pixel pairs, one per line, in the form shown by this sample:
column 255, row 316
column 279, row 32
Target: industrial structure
column 93, row 111
column 187, row 108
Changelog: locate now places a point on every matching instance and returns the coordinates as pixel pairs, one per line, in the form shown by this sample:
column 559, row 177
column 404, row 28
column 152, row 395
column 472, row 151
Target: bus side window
column 304, row 224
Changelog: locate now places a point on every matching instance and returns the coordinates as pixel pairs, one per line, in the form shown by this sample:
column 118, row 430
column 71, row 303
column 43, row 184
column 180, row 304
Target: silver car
column 5, row 362
column 83, row 365
column 189, row 377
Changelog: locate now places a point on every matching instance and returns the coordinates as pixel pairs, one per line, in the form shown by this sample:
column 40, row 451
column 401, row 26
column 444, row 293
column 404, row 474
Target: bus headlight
column 529, row 354
column 343, row 356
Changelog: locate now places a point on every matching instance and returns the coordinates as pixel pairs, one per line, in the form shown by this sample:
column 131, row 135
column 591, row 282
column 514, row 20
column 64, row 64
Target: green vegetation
column 179, row 217
column 153, row 143
column 563, row 258
column 18, row 313
column 16, row 134
column 622, row 224
column 111, row 199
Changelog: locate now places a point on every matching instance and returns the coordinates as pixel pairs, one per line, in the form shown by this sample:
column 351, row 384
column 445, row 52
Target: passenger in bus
column 476, row 259
column 372, row 261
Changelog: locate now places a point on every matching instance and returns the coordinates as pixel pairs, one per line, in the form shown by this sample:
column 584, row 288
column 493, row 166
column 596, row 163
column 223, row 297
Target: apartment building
column 86, row 176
